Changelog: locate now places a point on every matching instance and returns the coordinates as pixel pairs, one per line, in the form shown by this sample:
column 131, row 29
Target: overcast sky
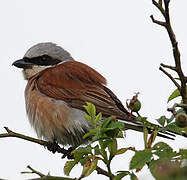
column 116, row 37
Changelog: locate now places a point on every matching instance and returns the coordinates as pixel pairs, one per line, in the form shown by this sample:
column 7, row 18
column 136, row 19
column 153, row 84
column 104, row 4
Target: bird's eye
column 44, row 58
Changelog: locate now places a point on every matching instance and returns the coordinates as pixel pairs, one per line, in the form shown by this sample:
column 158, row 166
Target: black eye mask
column 44, row 60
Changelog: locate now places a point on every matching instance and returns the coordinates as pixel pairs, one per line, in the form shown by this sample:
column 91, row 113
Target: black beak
column 22, row 64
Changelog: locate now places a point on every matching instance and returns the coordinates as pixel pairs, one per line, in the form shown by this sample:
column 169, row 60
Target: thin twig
column 170, row 76
column 45, row 177
column 102, row 172
column 157, row 22
column 21, row 136
column 33, row 171
column 58, row 149
column 173, row 109
column 181, row 105
column 159, row 7
column 11, row 133
column 169, row 67
column 176, row 52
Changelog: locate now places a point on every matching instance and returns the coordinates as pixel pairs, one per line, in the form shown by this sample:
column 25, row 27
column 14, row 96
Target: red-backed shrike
column 58, row 87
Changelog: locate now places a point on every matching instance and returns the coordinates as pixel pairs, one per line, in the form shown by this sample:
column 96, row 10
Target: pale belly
column 54, row 120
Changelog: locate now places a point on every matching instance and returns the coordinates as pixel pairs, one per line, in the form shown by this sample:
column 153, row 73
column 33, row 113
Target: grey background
column 116, row 37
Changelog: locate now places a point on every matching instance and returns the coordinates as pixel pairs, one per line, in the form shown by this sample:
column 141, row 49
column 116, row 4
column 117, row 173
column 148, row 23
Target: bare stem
column 103, row 172
column 159, row 6
column 157, row 22
column 176, row 52
column 33, row 171
column 43, row 143
column 170, row 76
column 44, row 177
column 34, row 140
column 169, row 67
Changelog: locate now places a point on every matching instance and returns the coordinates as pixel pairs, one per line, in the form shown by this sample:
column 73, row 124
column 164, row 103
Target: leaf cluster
column 104, row 147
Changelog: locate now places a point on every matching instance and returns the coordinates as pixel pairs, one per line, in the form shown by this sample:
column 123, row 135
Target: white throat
column 29, row 72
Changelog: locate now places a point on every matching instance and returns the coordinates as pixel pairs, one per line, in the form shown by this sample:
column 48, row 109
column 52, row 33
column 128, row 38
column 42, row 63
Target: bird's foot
column 68, row 153
column 52, row 146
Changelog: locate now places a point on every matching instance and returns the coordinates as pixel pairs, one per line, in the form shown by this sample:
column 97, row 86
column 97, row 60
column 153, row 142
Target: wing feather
column 77, row 83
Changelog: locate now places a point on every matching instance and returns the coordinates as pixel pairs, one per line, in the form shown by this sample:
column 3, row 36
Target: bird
column 57, row 88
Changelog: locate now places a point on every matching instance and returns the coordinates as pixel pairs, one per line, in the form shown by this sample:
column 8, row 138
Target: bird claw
column 68, row 153
column 52, row 146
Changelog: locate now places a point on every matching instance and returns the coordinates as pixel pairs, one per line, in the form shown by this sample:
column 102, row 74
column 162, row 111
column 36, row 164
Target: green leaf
column 115, row 125
column 181, row 111
column 121, row 174
column 183, row 153
column 68, row 167
column 174, row 128
column 112, row 147
column 133, row 176
column 174, row 95
column 121, row 151
column 92, row 132
column 81, row 151
column 152, row 167
column 89, row 118
column 143, row 120
column 89, row 167
column 140, row 159
column 97, row 150
column 90, row 108
column 163, row 150
column 170, row 119
column 98, row 117
column 84, row 160
column 104, row 143
column 107, row 121
column 120, row 135
column 162, row 120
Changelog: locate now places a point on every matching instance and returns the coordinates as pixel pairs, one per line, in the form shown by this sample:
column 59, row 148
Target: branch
column 21, row 136
column 102, row 172
column 55, row 148
column 169, row 67
column 33, row 171
column 159, row 6
column 157, row 22
column 173, row 110
column 58, row 149
column 45, row 177
column 176, row 52
column 172, row 79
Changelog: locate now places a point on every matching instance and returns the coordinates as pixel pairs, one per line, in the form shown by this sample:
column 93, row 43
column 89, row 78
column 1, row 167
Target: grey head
column 50, row 49
column 40, row 57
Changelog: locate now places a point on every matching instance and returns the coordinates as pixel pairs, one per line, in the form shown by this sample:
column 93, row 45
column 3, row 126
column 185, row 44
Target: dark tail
column 137, row 126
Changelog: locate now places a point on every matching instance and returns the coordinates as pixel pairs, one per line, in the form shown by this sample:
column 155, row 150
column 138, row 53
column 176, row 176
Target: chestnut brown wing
column 77, row 83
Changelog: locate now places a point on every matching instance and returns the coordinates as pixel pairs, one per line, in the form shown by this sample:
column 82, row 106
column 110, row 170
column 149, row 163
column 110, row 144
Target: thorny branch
column 45, row 177
column 58, row 149
column 43, row 143
column 176, row 53
column 33, row 171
